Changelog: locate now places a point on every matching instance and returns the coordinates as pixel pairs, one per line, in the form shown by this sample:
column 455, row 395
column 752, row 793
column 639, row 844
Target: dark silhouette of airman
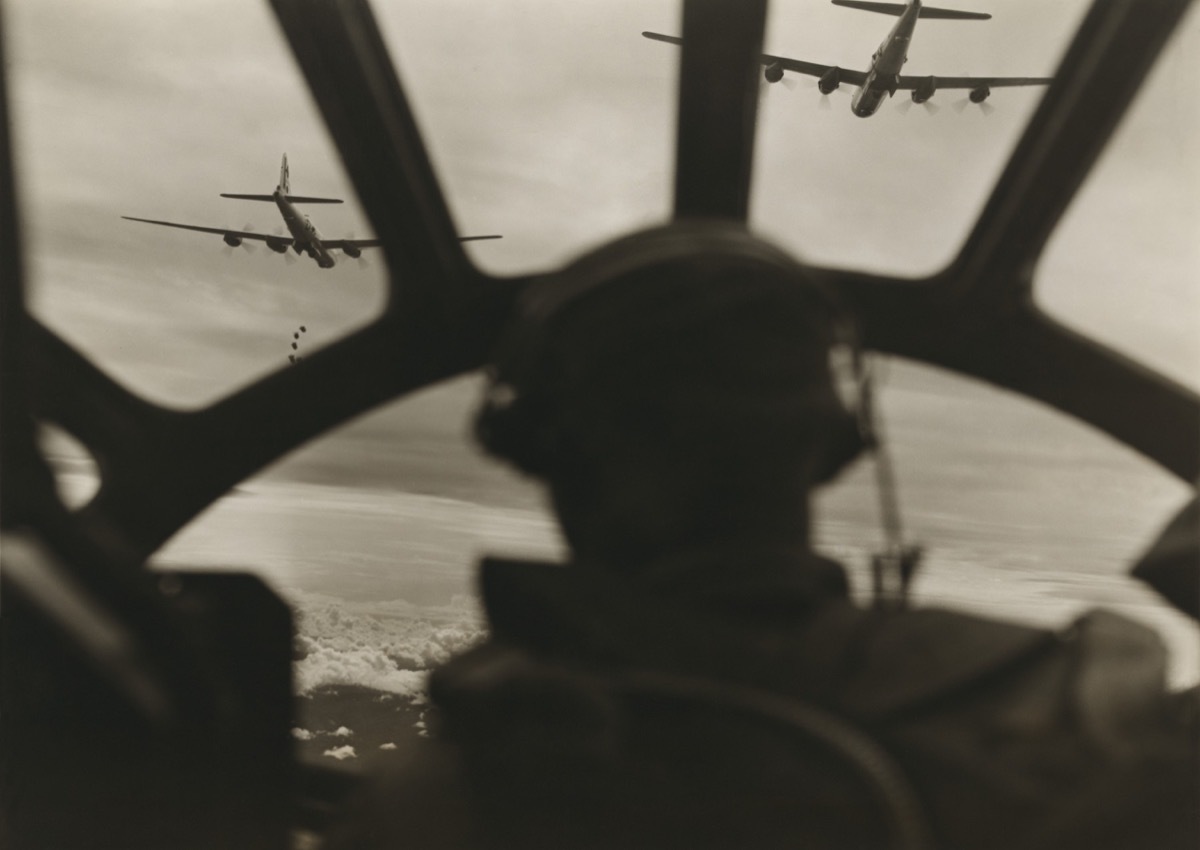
column 697, row 676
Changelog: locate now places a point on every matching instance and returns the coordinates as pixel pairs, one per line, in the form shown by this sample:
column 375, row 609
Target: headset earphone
column 512, row 423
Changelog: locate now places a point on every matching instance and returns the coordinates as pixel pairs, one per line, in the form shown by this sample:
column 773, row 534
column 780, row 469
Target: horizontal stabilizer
column 295, row 199
column 657, row 36
column 927, row 12
column 304, row 199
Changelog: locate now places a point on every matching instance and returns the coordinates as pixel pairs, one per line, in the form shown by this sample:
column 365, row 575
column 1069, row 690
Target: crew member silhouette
column 696, row 676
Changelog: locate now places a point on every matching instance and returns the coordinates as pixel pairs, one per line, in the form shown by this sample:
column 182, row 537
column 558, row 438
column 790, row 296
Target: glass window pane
column 551, row 123
column 1124, row 264
column 373, row 535
column 152, row 109
column 398, row 504
column 1025, row 515
column 897, row 192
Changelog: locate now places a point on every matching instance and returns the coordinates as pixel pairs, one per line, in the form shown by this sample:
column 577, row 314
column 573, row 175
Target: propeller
column 787, row 82
column 825, row 101
column 984, row 107
column 362, row 260
column 907, row 103
column 289, row 256
column 249, row 247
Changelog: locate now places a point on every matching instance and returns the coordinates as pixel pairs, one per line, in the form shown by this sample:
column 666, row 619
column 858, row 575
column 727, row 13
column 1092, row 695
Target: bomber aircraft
column 305, row 238
column 883, row 77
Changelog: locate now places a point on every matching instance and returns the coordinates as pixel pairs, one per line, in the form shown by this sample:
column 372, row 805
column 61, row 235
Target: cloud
column 386, row 646
column 341, row 753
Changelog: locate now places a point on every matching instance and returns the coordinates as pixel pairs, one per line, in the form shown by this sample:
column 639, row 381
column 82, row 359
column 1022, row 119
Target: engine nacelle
column 232, row 241
column 830, row 80
column 773, row 73
column 279, row 246
column 352, row 251
column 979, row 95
column 924, row 90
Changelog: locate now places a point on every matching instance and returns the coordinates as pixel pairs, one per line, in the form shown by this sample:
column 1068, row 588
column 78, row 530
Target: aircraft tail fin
column 284, row 188
column 927, row 12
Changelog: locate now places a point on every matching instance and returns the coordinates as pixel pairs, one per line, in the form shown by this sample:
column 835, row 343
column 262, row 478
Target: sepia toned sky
column 551, row 123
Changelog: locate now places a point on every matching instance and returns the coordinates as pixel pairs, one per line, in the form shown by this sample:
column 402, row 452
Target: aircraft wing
column 343, row 244
column 815, row 69
column 908, row 82
column 375, row 243
column 812, row 69
column 241, row 234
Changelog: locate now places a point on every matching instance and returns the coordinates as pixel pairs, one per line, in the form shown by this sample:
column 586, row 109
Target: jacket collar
column 783, row 622
column 707, row 615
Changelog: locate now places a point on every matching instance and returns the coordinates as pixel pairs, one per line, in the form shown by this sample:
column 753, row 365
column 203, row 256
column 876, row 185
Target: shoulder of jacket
column 1119, row 680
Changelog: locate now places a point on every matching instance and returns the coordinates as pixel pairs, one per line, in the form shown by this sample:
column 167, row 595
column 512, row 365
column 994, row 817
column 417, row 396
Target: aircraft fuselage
column 304, row 233
column 887, row 64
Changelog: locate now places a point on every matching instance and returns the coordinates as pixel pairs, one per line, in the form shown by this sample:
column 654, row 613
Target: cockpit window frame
column 160, row 467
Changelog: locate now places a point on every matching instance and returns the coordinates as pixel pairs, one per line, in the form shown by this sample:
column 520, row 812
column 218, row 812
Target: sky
column 552, row 124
